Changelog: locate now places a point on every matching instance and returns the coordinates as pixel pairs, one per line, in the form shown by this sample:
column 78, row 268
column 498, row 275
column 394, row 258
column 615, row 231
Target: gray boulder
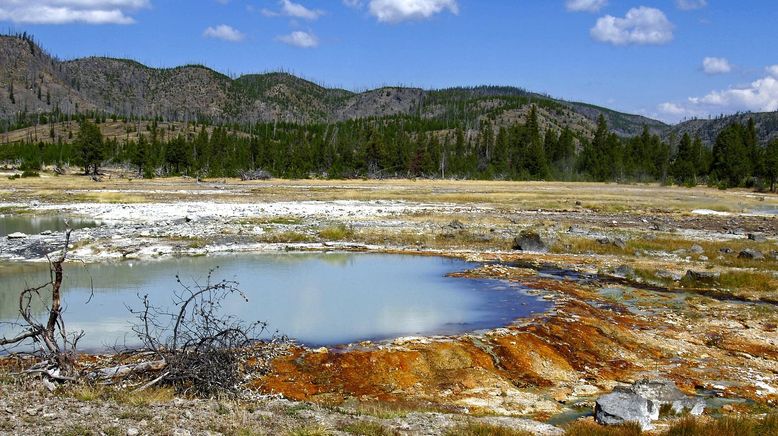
column 642, row 401
column 620, row 407
column 17, row 235
column 750, row 253
column 697, row 249
column 624, row 271
column 529, row 241
column 703, row 276
column 757, row 237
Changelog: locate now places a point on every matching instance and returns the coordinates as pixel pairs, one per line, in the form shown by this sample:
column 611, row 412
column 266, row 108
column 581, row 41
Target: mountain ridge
column 37, row 82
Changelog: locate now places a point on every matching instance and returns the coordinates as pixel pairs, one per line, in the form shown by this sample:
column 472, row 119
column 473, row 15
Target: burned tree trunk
column 55, row 346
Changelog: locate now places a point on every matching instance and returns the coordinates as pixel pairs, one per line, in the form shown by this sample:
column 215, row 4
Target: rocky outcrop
column 529, row 240
column 642, row 402
column 751, row 254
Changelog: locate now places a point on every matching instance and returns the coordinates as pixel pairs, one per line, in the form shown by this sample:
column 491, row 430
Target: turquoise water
column 318, row 299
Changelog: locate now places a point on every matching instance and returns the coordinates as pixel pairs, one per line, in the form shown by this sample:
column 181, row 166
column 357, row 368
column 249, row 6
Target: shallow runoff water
column 33, row 225
column 318, row 299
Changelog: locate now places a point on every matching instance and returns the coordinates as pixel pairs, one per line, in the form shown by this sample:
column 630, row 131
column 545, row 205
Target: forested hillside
column 194, row 121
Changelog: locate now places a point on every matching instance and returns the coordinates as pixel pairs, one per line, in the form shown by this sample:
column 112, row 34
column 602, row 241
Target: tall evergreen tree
column 90, row 146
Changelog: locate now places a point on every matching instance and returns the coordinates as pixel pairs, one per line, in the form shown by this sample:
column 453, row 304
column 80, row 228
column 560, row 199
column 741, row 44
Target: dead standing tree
column 55, row 346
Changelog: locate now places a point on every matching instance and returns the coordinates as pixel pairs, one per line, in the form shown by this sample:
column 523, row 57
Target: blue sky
column 668, row 59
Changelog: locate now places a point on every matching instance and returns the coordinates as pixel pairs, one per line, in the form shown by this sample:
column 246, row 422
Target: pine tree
column 771, row 163
column 90, row 146
column 683, row 168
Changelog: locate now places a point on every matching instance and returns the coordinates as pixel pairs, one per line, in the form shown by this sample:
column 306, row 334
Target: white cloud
column 395, row 11
column 300, row 39
column 642, row 25
column 688, row 5
column 712, row 66
column 295, row 10
column 224, row 32
column 585, row 5
column 70, row 11
column 760, row 95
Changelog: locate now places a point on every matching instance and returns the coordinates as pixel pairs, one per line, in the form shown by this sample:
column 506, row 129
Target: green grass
column 589, row 428
column 288, row 237
column 309, row 431
column 366, row 428
column 479, row 429
column 336, row 233
column 727, row 426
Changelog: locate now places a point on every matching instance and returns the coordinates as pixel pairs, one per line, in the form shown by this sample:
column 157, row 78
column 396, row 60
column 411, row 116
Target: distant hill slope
column 32, row 81
column 766, row 126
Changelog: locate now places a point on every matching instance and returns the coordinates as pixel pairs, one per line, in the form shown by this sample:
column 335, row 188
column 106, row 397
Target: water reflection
column 33, row 225
column 320, row 299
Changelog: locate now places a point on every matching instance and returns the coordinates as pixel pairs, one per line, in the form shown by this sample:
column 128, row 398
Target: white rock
column 17, row 235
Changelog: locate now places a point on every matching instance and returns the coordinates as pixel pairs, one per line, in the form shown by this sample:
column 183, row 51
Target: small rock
column 618, row 242
column 704, row 258
column 456, row 225
column 46, row 232
column 750, row 253
column 697, row 249
column 725, row 250
column 668, row 275
column 133, row 431
column 31, row 411
column 703, row 276
column 17, row 235
column 757, row 237
column 529, row 241
column 624, row 271
column 773, row 255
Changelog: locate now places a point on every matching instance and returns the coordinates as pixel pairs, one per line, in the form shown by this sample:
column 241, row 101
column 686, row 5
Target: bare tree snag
column 55, row 345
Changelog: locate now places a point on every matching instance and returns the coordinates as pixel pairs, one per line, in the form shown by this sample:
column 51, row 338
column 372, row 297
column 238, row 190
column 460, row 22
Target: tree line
column 407, row 146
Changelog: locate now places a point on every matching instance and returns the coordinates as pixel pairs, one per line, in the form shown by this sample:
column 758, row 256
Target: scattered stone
column 773, row 255
column 703, row 276
column 456, row 225
column 618, row 242
column 641, row 403
column 133, row 431
column 668, row 275
column 529, row 241
column 17, row 235
column 697, row 249
column 576, row 230
column 757, row 237
column 725, row 250
column 704, row 258
column 624, row 271
column 750, row 253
